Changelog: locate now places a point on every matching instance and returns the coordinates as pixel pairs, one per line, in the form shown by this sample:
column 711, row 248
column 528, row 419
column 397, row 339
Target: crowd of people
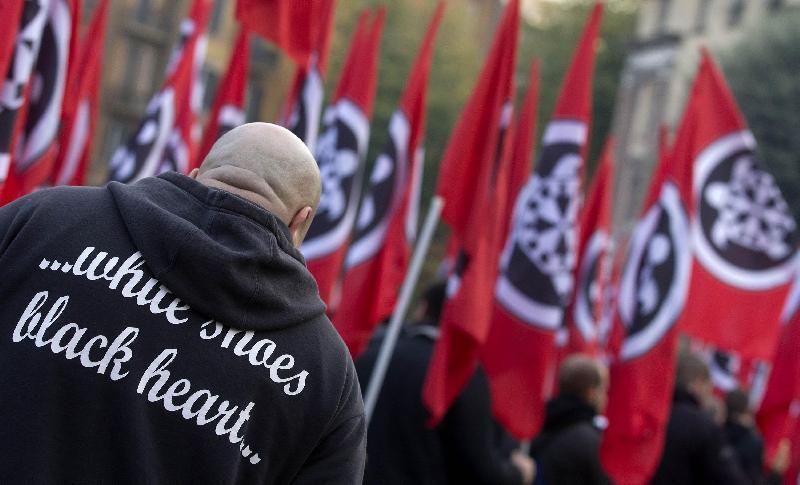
column 107, row 376
column 704, row 444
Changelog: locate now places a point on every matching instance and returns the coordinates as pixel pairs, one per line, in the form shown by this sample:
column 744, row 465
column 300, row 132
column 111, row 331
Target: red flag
column 485, row 155
column 780, row 406
column 82, row 101
column 10, row 10
column 158, row 144
column 293, row 25
column 592, row 275
column 301, row 112
column 228, row 109
column 184, row 141
column 537, row 263
column 340, row 155
column 651, row 298
column 524, row 143
column 33, row 152
column 743, row 234
column 386, row 224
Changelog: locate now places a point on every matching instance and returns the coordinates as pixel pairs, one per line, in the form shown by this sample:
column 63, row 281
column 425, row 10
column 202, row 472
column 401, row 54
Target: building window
column 735, row 12
column 703, row 7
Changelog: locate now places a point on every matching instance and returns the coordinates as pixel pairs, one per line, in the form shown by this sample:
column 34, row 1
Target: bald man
column 168, row 331
column 567, row 450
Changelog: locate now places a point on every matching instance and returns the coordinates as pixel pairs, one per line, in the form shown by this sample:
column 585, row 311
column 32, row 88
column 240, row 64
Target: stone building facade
column 657, row 77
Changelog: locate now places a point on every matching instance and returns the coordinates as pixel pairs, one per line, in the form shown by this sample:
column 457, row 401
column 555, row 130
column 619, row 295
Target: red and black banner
column 743, row 234
column 303, row 106
column 592, row 272
column 340, row 155
column 14, row 92
column 162, row 140
column 386, row 224
column 536, row 267
column 81, row 104
column 227, row 111
column 477, row 160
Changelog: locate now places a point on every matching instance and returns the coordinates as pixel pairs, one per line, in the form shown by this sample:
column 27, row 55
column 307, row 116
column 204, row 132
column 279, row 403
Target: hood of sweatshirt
column 223, row 255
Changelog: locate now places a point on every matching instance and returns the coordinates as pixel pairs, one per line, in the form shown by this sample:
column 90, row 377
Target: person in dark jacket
column 567, row 449
column 169, row 332
column 695, row 450
column 741, row 434
column 461, row 449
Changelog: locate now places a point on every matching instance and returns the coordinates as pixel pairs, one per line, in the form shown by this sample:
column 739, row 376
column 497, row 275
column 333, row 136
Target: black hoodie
column 166, row 332
column 567, row 450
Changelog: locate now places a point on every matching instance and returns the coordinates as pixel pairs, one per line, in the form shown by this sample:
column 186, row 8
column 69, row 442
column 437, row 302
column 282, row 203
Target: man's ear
column 297, row 226
column 194, row 172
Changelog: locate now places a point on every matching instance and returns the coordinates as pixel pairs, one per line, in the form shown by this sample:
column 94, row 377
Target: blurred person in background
column 741, row 433
column 567, row 449
column 695, row 450
column 462, row 449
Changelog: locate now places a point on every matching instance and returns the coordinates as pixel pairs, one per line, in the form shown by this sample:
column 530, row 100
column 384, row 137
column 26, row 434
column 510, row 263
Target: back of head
column 737, row 403
column 690, row 370
column 268, row 165
column 433, row 302
column 583, row 377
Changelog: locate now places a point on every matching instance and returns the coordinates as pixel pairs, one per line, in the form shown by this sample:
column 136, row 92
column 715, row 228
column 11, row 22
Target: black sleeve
column 468, row 438
column 718, row 459
column 341, row 455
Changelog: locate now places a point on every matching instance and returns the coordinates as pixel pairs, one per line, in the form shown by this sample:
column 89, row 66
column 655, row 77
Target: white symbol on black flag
column 304, row 118
column 656, row 276
column 589, row 294
column 539, row 257
column 341, row 149
column 12, row 95
column 141, row 156
column 48, row 81
column 385, row 192
column 744, row 232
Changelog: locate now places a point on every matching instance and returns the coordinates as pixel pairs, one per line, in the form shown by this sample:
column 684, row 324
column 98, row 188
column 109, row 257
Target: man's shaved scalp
column 266, row 160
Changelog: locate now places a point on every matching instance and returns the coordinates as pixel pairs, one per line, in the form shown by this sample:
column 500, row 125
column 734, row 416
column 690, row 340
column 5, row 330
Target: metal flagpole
column 400, row 310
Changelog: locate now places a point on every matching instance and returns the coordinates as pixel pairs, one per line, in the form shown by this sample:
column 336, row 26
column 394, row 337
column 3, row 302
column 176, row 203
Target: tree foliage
column 762, row 70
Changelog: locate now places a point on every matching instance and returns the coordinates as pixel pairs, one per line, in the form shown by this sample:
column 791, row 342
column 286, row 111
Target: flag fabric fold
column 29, row 120
column 227, row 112
column 83, row 96
column 537, row 262
column 778, row 412
column 301, row 112
column 652, row 297
column 477, row 161
column 592, row 271
column 386, row 224
column 293, row 25
column 743, row 234
column 340, row 155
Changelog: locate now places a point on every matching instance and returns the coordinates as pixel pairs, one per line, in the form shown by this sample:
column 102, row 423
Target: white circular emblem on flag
column 539, row 257
column 385, row 191
column 142, row 155
column 589, row 293
column 656, row 276
column 743, row 232
column 340, row 151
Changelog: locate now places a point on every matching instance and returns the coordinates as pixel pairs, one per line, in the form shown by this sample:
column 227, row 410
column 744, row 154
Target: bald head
column 268, row 165
column 586, row 378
